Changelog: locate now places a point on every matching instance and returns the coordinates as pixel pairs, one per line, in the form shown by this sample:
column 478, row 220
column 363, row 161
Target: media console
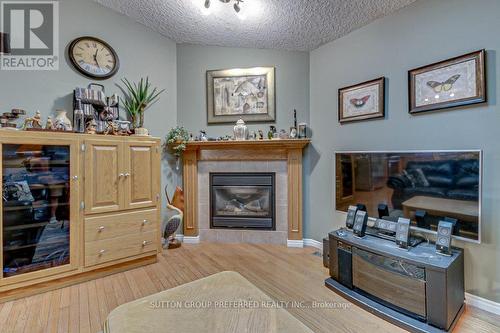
column 416, row 288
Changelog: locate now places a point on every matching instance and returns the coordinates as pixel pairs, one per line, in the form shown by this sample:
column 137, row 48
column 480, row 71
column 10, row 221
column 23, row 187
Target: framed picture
column 447, row 84
column 362, row 101
column 247, row 93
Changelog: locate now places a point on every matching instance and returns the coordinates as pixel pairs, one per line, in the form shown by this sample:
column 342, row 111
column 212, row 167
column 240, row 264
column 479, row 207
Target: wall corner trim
column 188, row 239
column 313, row 243
column 295, row 243
column 482, row 303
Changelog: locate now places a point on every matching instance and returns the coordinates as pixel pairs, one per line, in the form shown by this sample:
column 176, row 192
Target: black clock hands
column 95, row 58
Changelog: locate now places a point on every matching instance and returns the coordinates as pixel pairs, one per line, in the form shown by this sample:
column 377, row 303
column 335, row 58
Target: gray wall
column 425, row 32
column 141, row 52
column 292, row 83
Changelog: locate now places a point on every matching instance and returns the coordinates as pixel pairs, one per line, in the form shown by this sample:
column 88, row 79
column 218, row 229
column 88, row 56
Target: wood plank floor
column 284, row 274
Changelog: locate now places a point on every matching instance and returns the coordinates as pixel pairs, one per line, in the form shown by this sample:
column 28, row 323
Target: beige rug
column 223, row 302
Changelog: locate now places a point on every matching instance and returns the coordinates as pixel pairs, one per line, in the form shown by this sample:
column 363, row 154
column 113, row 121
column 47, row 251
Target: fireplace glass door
column 242, row 200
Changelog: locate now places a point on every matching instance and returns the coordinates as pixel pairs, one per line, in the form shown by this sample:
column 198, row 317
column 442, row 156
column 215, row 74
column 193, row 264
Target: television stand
column 416, row 289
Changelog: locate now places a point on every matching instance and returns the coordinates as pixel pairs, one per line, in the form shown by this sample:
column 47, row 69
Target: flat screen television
column 424, row 186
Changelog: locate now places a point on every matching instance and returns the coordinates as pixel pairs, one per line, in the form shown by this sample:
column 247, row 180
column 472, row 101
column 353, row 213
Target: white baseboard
column 482, row 303
column 188, row 239
column 295, row 243
column 313, row 243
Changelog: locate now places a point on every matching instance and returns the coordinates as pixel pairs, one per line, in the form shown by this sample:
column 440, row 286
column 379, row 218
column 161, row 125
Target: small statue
column 272, row 132
column 203, row 136
column 111, row 128
column 50, row 124
column 33, row 122
column 91, row 127
column 261, row 135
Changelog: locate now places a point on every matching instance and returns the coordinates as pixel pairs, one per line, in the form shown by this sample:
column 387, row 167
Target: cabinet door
column 103, row 176
column 142, row 170
column 39, row 210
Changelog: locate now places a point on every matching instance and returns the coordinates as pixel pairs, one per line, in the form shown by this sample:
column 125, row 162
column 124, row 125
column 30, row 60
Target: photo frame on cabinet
column 447, row 84
column 362, row 101
column 247, row 93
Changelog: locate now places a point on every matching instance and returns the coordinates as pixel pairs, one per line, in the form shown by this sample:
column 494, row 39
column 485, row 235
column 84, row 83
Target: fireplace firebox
column 242, row 201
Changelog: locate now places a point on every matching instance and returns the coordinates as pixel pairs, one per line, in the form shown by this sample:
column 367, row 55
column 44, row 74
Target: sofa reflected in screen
column 426, row 187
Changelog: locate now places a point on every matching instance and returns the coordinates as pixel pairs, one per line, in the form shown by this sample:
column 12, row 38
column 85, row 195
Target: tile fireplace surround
column 281, row 157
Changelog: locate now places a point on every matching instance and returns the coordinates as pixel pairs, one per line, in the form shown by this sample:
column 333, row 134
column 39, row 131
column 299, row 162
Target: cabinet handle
column 75, row 178
column 127, row 174
column 101, row 252
column 101, row 228
column 144, row 243
column 121, row 175
column 145, row 222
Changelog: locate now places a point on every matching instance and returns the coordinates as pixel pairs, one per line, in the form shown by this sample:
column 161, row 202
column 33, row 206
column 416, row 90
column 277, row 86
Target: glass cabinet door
column 35, row 207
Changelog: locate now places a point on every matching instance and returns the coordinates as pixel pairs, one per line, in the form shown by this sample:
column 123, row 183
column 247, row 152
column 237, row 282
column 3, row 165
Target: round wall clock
column 93, row 57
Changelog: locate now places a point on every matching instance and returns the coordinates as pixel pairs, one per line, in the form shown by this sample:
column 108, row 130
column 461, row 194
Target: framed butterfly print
column 362, row 101
column 455, row 82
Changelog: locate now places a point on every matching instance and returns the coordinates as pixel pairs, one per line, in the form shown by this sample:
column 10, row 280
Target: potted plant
column 176, row 140
column 138, row 97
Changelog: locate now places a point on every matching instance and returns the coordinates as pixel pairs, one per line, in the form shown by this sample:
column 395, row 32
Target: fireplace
column 242, row 201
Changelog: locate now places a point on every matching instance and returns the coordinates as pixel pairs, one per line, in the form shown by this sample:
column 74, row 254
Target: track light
column 236, row 5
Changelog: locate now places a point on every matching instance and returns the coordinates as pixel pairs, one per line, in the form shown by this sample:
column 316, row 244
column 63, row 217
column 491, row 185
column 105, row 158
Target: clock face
column 93, row 57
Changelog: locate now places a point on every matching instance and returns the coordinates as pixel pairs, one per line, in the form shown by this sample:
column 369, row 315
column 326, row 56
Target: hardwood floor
column 284, row 274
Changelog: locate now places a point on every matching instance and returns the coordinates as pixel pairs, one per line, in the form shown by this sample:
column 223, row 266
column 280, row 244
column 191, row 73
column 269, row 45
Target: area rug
column 223, row 302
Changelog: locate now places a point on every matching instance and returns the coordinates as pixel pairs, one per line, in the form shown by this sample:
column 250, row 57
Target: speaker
column 443, row 241
column 383, row 210
column 454, row 222
column 351, row 215
column 361, row 207
column 360, row 222
column 403, row 233
column 421, row 216
column 344, row 255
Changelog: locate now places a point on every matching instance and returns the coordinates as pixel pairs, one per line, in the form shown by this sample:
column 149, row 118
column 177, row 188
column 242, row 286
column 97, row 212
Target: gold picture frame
column 247, row 93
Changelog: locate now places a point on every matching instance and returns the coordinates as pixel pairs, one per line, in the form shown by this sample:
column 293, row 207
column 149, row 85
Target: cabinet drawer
column 395, row 282
column 101, row 251
column 117, row 225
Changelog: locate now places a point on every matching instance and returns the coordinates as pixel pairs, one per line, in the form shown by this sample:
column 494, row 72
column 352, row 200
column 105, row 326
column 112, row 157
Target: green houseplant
column 138, row 97
column 175, row 142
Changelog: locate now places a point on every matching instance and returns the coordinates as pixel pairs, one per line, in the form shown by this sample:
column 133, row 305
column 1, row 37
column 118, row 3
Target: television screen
column 426, row 187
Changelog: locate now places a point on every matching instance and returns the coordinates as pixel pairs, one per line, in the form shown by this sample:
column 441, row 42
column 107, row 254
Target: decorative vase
column 141, row 131
column 62, row 121
column 240, row 130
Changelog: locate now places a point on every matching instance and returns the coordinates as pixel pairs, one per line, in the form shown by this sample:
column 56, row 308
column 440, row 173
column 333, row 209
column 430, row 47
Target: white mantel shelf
column 250, row 150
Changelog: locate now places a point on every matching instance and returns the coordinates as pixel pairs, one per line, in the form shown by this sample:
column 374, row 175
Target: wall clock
column 93, row 57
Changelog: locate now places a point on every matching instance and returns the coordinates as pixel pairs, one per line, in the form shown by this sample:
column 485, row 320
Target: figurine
column 283, row 134
column 123, row 127
column 49, row 125
column 253, row 135
column 111, row 128
column 91, row 127
column 272, row 132
column 293, row 133
column 33, row 122
column 203, row 136
column 261, row 135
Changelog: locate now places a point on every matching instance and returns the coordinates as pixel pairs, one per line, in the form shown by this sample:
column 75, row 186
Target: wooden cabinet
column 120, row 175
column 79, row 206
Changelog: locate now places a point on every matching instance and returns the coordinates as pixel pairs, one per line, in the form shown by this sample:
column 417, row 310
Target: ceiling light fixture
column 236, row 5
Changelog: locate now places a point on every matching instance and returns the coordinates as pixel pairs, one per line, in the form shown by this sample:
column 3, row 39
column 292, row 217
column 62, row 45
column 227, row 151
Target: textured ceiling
column 301, row 25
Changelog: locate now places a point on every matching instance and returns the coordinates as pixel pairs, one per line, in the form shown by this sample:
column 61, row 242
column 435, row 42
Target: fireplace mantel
column 250, row 150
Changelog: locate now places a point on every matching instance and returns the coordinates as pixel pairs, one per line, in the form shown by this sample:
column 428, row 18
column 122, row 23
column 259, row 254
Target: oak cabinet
column 120, row 175
column 75, row 207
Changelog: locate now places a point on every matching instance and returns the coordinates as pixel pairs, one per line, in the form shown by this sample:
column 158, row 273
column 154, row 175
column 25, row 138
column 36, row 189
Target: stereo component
column 403, row 233
column 360, row 223
column 443, row 241
column 383, row 211
column 351, row 215
column 344, row 259
column 421, row 217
